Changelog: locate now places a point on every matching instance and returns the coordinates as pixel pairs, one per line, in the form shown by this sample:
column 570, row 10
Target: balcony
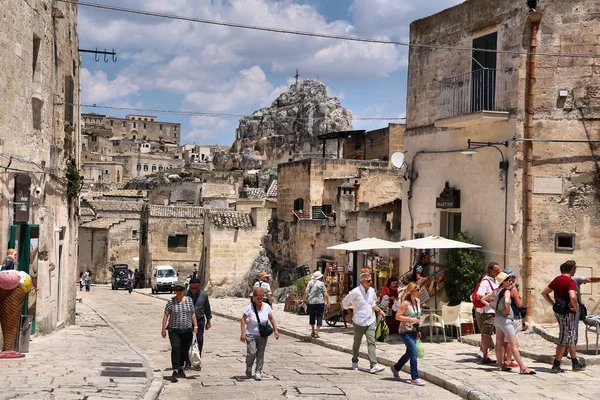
column 473, row 98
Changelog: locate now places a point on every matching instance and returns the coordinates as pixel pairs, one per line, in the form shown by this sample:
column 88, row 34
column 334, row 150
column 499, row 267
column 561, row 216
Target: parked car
column 163, row 278
column 118, row 277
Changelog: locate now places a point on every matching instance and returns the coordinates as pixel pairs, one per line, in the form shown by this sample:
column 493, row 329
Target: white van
column 163, row 278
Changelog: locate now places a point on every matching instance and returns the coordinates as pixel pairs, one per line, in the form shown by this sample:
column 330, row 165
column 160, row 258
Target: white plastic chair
column 433, row 321
column 450, row 316
column 465, row 315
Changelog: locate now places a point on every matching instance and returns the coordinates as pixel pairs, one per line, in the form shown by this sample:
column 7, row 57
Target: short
column 518, row 325
column 505, row 325
column 567, row 328
column 485, row 322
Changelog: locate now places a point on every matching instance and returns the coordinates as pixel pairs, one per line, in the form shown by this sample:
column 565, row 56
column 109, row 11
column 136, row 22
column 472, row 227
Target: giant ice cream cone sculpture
column 14, row 285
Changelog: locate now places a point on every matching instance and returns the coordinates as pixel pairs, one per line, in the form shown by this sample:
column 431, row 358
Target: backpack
column 478, row 303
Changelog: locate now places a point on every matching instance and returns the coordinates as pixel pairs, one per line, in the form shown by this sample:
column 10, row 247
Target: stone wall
column 142, row 127
column 40, row 69
column 570, row 203
column 231, row 252
column 103, row 172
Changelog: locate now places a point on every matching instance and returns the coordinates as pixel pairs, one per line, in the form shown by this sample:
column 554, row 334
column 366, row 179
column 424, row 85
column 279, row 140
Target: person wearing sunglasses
column 363, row 301
column 180, row 321
column 409, row 315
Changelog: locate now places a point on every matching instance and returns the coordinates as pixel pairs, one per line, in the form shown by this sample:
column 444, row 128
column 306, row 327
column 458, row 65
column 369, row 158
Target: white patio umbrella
column 434, row 242
column 365, row 245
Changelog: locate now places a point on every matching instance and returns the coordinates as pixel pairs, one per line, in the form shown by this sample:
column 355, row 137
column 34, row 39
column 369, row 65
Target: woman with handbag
column 180, row 321
column 518, row 314
column 316, row 298
column 256, row 330
column 505, row 327
column 409, row 315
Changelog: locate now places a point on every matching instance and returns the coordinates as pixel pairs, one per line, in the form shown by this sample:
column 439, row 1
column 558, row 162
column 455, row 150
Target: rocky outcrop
column 243, row 287
column 286, row 130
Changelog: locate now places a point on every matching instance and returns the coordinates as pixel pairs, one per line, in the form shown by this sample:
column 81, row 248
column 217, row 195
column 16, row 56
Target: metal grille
column 480, row 90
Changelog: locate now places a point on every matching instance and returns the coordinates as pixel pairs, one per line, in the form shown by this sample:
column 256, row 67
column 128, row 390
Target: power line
column 211, row 114
column 315, row 34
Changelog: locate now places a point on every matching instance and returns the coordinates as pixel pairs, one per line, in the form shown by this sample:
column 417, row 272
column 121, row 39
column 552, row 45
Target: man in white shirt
column 485, row 315
column 363, row 301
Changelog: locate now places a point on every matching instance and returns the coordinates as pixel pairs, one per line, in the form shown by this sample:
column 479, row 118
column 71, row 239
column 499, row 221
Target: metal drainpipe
column 534, row 18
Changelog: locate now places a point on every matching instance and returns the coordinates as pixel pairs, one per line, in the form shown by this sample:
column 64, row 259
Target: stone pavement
column 293, row 369
column 453, row 366
column 85, row 361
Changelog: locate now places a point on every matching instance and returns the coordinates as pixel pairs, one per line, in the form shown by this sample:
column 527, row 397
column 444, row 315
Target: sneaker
column 249, row 372
column 394, row 372
column 556, row 369
column 258, row 376
column 418, row 382
column 175, row 376
column 182, row 374
column 488, row 360
column 355, row 366
column 376, row 368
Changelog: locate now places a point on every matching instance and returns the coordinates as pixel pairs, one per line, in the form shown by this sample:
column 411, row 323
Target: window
column 145, row 167
column 116, row 143
column 483, row 68
column 144, row 138
column 175, row 128
column 106, row 171
column 123, row 124
column 144, row 126
column 174, row 134
column 36, row 51
column 564, row 242
column 327, row 209
column 153, row 168
column 139, row 167
column 111, row 122
column 134, row 124
column 160, row 127
column 134, row 234
column 133, row 137
column 160, row 168
column 298, row 204
column 177, row 241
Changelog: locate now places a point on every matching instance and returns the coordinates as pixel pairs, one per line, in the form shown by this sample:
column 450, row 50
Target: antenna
column 398, row 160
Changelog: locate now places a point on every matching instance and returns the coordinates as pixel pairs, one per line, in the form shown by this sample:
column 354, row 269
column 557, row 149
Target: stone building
column 107, row 174
column 39, row 139
column 135, row 128
column 144, row 164
column 530, row 210
column 325, row 202
column 378, row 144
column 107, row 241
column 172, row 235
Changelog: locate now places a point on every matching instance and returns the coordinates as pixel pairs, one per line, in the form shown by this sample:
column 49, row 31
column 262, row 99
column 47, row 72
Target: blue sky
column 178, row 65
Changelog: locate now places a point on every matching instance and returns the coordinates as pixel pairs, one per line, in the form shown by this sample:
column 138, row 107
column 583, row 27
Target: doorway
column 450, row 226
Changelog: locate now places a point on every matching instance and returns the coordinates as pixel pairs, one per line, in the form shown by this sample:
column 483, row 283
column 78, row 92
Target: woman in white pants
column 256, row 344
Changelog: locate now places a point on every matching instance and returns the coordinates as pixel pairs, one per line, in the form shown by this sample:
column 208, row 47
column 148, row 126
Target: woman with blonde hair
column 409, row 315
column 9, row 262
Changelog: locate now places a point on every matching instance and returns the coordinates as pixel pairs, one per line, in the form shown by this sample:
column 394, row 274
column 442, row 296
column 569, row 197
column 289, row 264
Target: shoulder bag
column 406, row 327
column 265, row 329
column 582, row 312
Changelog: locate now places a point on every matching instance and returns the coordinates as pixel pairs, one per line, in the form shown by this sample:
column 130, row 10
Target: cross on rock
column 297, row 76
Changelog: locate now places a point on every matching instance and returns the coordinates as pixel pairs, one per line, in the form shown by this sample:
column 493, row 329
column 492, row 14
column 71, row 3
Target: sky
column 166, row 64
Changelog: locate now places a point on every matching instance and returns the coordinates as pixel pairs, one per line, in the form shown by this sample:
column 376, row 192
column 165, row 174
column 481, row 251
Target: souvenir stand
column 336, row 280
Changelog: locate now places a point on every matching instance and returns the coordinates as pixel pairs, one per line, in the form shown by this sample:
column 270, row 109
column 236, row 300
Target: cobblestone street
column 293, row 368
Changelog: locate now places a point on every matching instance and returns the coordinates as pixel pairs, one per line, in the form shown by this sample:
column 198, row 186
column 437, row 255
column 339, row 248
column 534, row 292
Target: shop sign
column 449, row 198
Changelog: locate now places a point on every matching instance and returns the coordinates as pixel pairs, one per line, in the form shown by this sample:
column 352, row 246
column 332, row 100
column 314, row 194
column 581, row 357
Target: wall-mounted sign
column 449, row 198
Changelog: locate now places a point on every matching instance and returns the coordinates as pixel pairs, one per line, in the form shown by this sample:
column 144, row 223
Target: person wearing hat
column 501, row 297
column 180, row 322
column 263, row 282
column 316, row 298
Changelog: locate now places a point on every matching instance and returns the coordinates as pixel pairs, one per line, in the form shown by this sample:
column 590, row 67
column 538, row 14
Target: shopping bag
column 194, row 354
column 420, row 349
column 382, row 332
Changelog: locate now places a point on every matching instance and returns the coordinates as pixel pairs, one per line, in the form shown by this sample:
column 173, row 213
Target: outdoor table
column 431, row 311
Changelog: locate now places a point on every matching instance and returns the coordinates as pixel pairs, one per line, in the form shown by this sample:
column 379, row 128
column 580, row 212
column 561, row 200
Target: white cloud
column 97, row 88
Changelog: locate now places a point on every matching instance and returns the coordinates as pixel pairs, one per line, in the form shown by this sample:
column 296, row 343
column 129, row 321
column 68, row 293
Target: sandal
column 505, row 368
column 523, row 372
column 316, row 336
column 312, row 334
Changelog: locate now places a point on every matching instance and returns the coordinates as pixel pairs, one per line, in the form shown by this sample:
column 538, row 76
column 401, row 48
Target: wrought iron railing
column 480, row 90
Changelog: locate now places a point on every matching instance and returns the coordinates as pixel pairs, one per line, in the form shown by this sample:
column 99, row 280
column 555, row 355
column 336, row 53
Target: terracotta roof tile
column 231, row 219
column 272, row 192
column 102, row 223
column 255, row 193
column 86, row 212
column 126, row 193
column 116, row 205
column 176, row 212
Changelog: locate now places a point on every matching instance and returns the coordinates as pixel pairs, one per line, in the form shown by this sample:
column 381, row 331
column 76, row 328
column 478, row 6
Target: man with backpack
column 484, row 315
